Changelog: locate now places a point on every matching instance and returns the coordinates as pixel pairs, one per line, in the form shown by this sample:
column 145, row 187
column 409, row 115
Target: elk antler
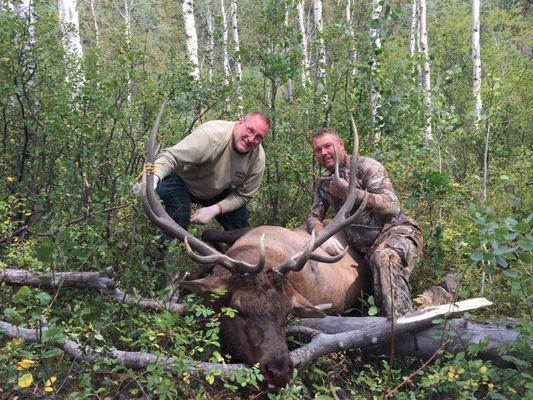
column 342, row 219
column 157, row 214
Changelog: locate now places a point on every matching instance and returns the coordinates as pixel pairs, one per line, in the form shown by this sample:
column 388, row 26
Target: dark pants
column 177, row 202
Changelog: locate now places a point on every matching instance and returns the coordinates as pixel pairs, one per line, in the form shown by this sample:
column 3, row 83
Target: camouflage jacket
column 382, row 207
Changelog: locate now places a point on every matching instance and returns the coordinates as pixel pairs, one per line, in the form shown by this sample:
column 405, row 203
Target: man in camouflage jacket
column 390, row 240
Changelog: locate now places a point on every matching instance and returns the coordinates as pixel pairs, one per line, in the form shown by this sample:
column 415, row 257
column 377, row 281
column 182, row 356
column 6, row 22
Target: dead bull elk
column 267, row 274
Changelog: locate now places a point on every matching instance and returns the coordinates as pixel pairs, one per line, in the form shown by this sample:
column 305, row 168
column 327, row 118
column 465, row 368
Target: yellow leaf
column 50, row 381
column 48, row 389
column 25, row 380
column 16, row 342
column 25, row 364
column 10, row 179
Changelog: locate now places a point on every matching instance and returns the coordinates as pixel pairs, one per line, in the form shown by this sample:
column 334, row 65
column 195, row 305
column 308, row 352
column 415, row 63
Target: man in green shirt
column 218, row 166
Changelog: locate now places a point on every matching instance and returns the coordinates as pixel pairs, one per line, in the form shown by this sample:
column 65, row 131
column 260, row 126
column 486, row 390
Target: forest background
column 76, row 109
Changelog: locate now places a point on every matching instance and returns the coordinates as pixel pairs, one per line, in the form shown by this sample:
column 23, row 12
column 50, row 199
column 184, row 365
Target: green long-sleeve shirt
column 208, row 163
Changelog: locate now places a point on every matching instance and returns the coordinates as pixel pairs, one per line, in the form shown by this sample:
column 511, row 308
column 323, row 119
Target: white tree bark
column 305, row 60
column 414, row 42
column 321, row 51
column 476, row 60
column 235, row 37
column 24, row 10
column 95, row 23
column 426, row 74
column 352, row 50
column 375, row 95
column 68, row 15
column 286, row 25
column 210, row 41
column 191, row 38
column 225, row 40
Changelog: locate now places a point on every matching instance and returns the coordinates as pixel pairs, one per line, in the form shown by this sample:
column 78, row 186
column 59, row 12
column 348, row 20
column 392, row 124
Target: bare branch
column 90, row 280
column 129, row 359
column 380, row 331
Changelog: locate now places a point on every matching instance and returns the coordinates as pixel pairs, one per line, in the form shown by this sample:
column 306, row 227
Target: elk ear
column 207, row 286
column 301, row 307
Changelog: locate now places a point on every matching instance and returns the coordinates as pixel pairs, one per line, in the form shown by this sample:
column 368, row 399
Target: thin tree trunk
column 190, row 37
column 95, row 23
column 426, row 74
column 352, row 51
column 210, row 41
column 70, row 22
column 305, row 60
column 321, row 52
column 375, row 94
column 286, row 25
column 476, row 61
column 414, row 42
column 128, row 4
column 225, row 40
column 235, row 37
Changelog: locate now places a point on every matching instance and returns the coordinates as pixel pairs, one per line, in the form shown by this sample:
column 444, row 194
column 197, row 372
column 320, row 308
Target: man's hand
column 205, row 214
column 332, row 246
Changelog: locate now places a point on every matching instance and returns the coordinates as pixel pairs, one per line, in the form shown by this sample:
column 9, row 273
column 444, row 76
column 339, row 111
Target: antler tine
column 341, row 219
column 238, row 267
column 157, row 214
column 329, row 259
column 336, row 175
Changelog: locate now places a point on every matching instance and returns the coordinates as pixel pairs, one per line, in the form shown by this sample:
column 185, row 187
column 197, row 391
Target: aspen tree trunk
column 128, row 4
column 210, row 41
column 286, row 25
column 191, row 38
column 70, row 22
column 24, row 10
column 426, row 74
column 352, row 50
column 476, row 60
column 414, row 42
column 375, row 95
column 305, row 61
column 68, row 15
column 321, row 52
column 225, row 39
column 95, row 23
column 235, row 36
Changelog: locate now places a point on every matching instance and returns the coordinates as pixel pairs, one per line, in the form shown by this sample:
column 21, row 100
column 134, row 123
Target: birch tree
column 191, row 38
column 286, row 26
column 235, row 37
column 225, row 40
column 414, row 40
column 210, row 47
column 426, row 74
column 95, row 23
column 303, row 31
column 70, row 23
column 321, row 52
column 476, row 61
column 375, row 95
column 352, row 50
column 24, row 10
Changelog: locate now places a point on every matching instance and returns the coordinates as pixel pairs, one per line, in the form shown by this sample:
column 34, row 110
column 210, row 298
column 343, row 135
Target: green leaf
column 44, row 298
column 45, row 250
column 25, row 380
column 53, row 334
column 477, row 256
column 372, row 310
column 51, row 353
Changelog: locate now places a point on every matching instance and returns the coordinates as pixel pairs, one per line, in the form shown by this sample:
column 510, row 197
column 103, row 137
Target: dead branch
column 379, row 331
column 89, row 280
column 129, row 359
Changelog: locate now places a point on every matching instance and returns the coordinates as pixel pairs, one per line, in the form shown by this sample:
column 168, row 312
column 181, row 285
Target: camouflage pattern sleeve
column 381, row 197
column 318, row 210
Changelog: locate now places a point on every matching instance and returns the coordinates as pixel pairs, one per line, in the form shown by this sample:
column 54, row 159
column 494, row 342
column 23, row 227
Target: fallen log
column 100, row 282
column 460, row 333
column 375, row 333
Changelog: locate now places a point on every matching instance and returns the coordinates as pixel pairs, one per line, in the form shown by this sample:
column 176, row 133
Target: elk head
column 263, row 297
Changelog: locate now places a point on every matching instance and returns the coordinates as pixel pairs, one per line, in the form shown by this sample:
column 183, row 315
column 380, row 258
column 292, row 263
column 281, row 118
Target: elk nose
column 277, row 370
